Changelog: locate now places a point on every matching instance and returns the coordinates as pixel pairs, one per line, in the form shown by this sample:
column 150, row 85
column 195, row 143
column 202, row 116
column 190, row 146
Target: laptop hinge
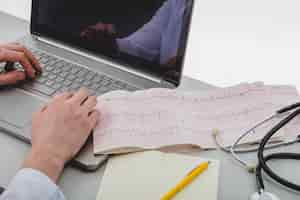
column 98, row 59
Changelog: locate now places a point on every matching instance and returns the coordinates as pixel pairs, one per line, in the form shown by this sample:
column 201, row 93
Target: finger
column 30, row 56
column 80, row 96
column 100, row 27
column 15, row 56
column 89, row 34
column 86, row 31
column 13, row 77
column 89, row 104
column 94, row 118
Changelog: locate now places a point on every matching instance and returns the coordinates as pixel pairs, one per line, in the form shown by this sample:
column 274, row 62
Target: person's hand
column 99, row 27
column 100, row 38
column 59, row 130
column 12, row 53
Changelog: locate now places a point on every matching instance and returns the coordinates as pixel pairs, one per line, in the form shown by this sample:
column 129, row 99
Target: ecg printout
column 157, row 118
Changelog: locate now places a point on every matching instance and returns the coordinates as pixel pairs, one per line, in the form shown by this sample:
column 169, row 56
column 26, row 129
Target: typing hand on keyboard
column 26, row 61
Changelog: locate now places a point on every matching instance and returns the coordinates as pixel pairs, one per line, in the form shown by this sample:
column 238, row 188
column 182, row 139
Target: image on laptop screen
column 147, row 35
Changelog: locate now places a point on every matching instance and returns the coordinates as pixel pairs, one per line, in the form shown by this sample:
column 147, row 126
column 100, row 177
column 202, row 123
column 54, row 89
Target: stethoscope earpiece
column 263, row 196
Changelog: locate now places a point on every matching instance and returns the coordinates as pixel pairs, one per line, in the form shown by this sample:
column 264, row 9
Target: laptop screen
column 147, row 35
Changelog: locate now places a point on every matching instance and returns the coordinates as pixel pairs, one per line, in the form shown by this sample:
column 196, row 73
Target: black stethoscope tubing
column 1, row 190
column 262, row 160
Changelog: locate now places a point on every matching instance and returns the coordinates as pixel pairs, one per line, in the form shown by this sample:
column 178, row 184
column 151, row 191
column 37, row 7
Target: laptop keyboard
column 59, row 76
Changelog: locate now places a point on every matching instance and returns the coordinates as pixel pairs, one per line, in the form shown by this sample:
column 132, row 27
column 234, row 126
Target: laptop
column 102, row 45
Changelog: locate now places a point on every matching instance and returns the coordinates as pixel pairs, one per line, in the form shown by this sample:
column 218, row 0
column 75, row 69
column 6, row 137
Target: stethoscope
column 261, row 194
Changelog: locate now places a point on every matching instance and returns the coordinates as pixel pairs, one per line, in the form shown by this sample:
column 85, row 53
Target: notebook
column 158, row 118
column 149, row 175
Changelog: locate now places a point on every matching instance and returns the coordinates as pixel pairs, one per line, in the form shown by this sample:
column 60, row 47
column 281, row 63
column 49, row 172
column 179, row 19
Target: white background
column 234, row 41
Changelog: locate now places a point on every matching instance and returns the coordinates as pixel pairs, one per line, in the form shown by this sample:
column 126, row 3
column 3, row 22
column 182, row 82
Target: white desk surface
column 235, row 183
column 235, row 40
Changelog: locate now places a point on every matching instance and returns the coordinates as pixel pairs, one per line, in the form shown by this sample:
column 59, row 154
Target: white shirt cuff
column 30, row 184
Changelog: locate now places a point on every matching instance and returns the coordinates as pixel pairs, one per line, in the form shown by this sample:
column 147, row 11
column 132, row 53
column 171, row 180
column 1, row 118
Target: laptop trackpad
column 17, row 107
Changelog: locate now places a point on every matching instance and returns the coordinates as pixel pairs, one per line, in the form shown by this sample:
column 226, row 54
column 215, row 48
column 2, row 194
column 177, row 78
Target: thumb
column 12, row 77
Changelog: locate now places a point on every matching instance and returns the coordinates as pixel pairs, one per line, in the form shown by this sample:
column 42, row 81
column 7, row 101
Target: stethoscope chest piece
column 263, row 196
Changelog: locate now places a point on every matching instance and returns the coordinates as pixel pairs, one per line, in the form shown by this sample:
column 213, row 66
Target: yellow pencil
column 186, row 181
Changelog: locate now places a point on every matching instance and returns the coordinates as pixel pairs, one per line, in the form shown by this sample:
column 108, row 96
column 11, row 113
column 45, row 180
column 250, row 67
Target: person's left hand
column 12, row 53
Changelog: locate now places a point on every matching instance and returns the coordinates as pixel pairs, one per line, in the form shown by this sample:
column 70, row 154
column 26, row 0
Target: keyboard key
column 79, row 80
column 49, row 67
column 74, row 70
column 105, row 82
column 49, row 83
column 97, row 79
column 71, row 77
column 56, row 86
column 94, row 87
column 41, row 80
column 57, row 71
column 64, row 89
column 85, row 70
column 59, row 65
column 45, row 74
column 90, row 76
column 64, row 74
column 112, row 87
column 61, row 90
column 40, row 53
column 59, row 79
column 44, row 60
column 118, row 86
column 67, row 83
column 82, row 73
column 74, row 86
column 66, row 68
column 51, row 62
column 106, row 78
column 130, row 88
column 52, row 76
column 86, row 83
column 118, row 83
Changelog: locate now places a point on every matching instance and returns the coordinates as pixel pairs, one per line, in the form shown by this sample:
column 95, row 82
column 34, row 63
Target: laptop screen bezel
column 39, row 31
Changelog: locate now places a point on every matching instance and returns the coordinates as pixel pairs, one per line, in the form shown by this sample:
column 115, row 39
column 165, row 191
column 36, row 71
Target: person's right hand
column 101, row 38
column 59, row 131
column 99, row 27
column 12, row 53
